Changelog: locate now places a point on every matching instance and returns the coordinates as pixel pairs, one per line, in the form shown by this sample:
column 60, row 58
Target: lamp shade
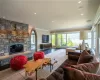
column 83, row 35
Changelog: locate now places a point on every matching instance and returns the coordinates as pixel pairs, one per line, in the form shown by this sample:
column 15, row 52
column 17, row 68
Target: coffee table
column 32, row 66
column 51, row 64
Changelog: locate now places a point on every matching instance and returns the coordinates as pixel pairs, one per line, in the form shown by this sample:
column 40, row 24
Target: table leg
column 26, row 75
column 36, row 74
column 50, row 66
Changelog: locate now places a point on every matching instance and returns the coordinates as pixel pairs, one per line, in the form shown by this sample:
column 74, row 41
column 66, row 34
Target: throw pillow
column 75, row 74
column 85, row 57
column 88, row 67
column 73, row 57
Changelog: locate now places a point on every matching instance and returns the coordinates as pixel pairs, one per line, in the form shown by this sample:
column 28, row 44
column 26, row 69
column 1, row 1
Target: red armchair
column 17, row 62
column 38, row 55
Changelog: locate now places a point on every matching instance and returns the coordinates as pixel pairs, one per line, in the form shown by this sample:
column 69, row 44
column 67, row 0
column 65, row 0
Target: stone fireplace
column 14, row 37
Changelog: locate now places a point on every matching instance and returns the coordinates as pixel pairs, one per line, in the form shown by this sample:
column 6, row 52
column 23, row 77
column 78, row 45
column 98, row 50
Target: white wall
column 40, row 32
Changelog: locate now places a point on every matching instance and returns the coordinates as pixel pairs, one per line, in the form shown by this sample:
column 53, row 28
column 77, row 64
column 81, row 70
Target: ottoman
column 38, row 55
column 17, row 62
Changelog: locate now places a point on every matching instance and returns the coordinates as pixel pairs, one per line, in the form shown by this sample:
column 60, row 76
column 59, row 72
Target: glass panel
column 88, row 41
column 89, row 34
column 73, row 39
column 58, row 40
column 94, row 39
column 32, row 40
column 64, row 41
column 53, row 39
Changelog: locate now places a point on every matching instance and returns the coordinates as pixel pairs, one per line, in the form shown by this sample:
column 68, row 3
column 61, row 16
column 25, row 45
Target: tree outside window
column 73, row 39
column 64, row 40
column 59, row 36
column 53, row 37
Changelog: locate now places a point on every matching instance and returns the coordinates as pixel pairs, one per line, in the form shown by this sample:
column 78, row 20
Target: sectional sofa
column 68, row 71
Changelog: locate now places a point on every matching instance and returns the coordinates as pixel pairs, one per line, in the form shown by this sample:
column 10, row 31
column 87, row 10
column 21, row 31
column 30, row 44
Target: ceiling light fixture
column 53, row 21
column 82, row 14
column 79, row 2
column 3, row 17
column 34, row 13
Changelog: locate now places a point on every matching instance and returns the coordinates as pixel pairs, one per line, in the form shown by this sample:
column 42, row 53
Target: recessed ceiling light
column 82, row 14
column 34, row 13
column 3, row 17
column 79, row 2
column 53, row 21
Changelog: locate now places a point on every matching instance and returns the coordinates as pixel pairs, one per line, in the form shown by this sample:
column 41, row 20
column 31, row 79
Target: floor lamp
column 83, row 37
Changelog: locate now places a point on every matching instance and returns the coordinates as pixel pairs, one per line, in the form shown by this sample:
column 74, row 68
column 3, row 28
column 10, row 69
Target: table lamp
column 83, row 37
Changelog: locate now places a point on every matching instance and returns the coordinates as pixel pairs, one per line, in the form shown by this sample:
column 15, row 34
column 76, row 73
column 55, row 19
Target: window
column 64, row 40
column 53, row 37
column 73, row 39
column 94, row 46
column 93, row 38
column 59, row 38
column 88, row 41
column 32, row 40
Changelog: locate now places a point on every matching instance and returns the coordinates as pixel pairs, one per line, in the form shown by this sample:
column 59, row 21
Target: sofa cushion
column 55, row 76
column 72, row 74
column 91, row 76
column 85, row 57
column 88, row 67
column 51, row 77
column 73, row 57
column 60, row 70
column 75, row 74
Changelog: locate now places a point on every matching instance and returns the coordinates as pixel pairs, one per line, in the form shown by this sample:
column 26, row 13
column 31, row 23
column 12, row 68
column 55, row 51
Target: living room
column 49, row 39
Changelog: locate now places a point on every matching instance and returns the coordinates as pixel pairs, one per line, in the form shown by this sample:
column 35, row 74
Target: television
column 45, row 38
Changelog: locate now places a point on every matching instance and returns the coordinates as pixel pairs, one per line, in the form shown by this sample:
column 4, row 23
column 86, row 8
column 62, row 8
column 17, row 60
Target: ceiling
column 51, row 14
